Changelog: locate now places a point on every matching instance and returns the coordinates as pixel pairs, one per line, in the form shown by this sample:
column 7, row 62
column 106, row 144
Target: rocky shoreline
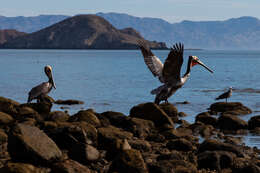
column 151, row 139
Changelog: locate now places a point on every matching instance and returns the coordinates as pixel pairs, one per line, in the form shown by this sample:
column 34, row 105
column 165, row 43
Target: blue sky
column 170, row 10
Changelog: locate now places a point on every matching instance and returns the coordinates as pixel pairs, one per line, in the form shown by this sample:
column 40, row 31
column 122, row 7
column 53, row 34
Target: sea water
column 119, row 79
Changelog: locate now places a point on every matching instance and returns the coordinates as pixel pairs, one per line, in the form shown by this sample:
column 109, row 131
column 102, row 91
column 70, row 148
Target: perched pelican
column 44, row 88
column 168, row 73
column 225, row 95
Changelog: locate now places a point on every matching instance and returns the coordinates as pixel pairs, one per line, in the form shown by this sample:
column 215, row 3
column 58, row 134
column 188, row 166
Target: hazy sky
column 170, row 10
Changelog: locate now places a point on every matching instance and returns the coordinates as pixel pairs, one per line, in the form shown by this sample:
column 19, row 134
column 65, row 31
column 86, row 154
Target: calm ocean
column 118, row 79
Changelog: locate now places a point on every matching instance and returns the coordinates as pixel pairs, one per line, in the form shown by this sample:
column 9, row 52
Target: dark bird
column 225, row 95
column 169, row 73
column 44, row 88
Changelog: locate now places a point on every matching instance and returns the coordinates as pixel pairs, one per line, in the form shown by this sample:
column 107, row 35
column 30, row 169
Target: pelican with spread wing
column 44, row 88
column 168, row 73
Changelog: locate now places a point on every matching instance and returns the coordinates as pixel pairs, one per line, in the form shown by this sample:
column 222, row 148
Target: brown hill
column 6, row 35
column 81, row 32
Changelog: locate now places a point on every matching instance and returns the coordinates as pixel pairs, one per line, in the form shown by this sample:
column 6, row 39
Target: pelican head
column 195, row 61
column 48, row 72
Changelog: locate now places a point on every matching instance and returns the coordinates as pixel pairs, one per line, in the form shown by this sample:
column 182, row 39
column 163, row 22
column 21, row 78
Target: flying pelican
column 44, row 88
column 225, row 95
column 168, row 73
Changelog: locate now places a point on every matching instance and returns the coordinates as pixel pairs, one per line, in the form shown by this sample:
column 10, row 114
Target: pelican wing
column 153, row 62
column 172, row 66
column 35, row 92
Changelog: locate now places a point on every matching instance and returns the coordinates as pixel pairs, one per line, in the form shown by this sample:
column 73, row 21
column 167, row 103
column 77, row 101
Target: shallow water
column 118, row 79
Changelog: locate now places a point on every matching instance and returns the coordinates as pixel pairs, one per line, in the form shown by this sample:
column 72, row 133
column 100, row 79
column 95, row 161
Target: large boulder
column 231, row 122
column 87, row 116
column 234, row 108
column 151, row 111
column 70, row 166
column 8, row 106
column 30, row 144
column 129, row 161
column 214, row 145
column 254, row 122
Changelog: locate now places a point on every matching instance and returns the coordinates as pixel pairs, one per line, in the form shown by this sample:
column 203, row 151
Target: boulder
column 87, row 116
column 215, row 160
column 231, row 122
column 116, row 118
column 70, row 166
column 206, row 118
column 180, row 145
column 151, row 111
column 129, row 161
column 68, row 102
column 234, row 108
column 23, row 168
column 59, row 116
column 5, row 119
column 8, row 106
column 254, row 122
column 170, row 110
column 214, row 145
column 30, row 144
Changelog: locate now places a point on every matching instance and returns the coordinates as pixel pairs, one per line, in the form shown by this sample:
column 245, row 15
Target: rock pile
column 34, row 139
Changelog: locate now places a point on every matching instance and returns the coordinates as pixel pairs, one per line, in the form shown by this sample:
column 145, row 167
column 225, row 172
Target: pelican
column 168, row 73
column 225, row 95
column 44, row 88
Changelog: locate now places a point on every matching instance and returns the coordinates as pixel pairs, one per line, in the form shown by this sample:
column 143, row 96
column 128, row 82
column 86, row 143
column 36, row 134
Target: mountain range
column 77, row 32
column 235, row 33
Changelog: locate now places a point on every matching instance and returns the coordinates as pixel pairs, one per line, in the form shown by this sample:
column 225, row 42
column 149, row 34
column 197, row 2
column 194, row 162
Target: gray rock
column 30, row 144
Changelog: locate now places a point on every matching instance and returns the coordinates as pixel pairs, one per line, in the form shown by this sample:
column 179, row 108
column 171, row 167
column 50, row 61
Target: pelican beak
column 203, row 65
column 52, row 81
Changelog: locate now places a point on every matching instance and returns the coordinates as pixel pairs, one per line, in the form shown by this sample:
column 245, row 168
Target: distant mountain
column 237, row 33
column 29, row 24
column 7, row 35
column 81, row 32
